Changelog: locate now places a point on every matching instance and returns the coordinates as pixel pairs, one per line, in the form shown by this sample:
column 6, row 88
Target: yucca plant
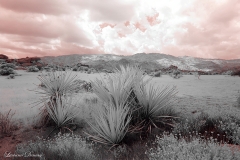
column 155, row 104
column 119, row 86
column 62, row 111
column 112, row 122
column 59, row 84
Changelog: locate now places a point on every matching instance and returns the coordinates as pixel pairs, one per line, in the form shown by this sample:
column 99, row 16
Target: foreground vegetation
column 131, row 119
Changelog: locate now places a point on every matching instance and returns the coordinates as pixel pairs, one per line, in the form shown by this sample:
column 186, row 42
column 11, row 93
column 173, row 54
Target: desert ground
column 218, row 91
column 213, row 94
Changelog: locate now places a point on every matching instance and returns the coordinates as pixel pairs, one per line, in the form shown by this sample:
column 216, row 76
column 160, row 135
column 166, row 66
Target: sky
column 198, row 28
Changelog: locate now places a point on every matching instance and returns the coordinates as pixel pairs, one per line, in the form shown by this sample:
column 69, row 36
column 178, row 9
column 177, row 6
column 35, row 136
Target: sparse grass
column 62, row 147
column 6, row 123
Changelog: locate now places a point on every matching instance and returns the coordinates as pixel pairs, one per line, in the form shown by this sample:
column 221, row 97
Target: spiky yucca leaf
column 114, row 91
column 111, row 123
column 61, row 111
column 154, row 101
column 61, row 83
column 119, row 85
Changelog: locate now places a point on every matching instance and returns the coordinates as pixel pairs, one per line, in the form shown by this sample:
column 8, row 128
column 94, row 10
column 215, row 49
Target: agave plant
column 112, row 123
column 155, row 103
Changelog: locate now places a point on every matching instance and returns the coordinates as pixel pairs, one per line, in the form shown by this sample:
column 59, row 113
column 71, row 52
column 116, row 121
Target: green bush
column 62, row 147
column 169, row 147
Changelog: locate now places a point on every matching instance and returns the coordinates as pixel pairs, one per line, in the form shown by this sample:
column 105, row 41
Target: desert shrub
column 2, row 61
column 47, row 69
column 169, row 147
column 188, row 125
column 7, row 71
column 62, row 147
column 75, row 68
column 224, row 128
column 11, row 76
column 157, row 74
column 32, row 69
column 231, row 126
column 87, row 86
column 89, row 71
column 6, row 123
column 7, row 65
column 176, row 74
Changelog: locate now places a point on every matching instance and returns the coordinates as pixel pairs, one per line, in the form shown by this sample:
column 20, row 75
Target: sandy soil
column 214, row 94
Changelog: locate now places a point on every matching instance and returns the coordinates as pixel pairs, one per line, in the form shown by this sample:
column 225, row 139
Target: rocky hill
column 151, row 61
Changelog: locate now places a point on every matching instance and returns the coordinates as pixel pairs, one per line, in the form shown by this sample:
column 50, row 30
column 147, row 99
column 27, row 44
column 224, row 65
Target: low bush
column 32, row 69
column 62, row 147
column 7, row 71
column 169, row 147
column 224, row 128
column 157, row 74
column 7, row 65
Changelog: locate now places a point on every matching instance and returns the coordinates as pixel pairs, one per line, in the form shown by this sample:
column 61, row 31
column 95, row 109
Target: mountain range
column 151, row 61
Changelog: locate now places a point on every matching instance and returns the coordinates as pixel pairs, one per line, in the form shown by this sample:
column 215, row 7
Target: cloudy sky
column 199, row 28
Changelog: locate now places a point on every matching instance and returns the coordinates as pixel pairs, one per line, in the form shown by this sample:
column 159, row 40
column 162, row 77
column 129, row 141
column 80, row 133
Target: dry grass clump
column 6, row 123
